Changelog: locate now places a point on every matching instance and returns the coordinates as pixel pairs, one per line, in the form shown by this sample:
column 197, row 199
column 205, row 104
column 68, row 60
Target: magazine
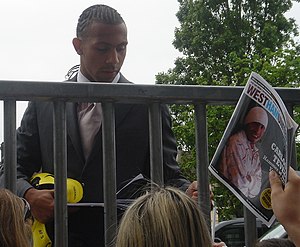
column 125, row 196
column 258, row 137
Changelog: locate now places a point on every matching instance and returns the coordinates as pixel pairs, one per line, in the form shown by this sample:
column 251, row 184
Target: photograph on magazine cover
column 255, row 141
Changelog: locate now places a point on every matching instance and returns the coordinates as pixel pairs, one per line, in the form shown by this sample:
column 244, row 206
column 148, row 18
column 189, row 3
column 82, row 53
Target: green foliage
column 222, row 42
column 184, row 128
column 228, row 205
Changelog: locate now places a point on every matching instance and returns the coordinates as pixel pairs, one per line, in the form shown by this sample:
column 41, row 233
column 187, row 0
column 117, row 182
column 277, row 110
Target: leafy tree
column 222, row 42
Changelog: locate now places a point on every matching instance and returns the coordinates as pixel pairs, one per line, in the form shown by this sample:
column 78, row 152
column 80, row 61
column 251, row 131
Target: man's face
column 102, row 51
column 254, row 131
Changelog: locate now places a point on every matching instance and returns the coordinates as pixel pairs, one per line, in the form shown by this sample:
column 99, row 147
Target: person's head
column 15, row 224
column 275, row 242
column 163, row 217
column 101, row 42
column 256, row 122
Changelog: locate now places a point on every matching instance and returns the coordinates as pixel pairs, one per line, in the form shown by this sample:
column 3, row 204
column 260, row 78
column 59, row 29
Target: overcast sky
column 36, row 39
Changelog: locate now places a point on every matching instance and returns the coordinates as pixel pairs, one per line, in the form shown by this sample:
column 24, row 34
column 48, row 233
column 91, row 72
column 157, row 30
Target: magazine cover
column 259, row 137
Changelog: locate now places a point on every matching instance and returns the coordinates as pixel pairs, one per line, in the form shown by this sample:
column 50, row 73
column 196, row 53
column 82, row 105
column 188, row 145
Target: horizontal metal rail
column 108, row 94
column 74, row 91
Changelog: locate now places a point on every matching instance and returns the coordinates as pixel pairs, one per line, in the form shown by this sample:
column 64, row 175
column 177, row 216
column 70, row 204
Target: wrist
column 29, row 193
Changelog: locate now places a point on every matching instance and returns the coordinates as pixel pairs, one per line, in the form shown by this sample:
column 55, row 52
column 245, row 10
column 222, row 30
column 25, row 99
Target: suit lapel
column 121, row 110
column 72, row 124
column 72, row 127
column 97, row 147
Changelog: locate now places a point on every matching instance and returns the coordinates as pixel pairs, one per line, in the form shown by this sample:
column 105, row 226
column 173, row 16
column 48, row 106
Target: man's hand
column 41, row 204
column 221, row 244
column 192, row 191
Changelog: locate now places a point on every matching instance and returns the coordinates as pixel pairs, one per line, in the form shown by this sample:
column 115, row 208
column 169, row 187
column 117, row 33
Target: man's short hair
column 97, row 13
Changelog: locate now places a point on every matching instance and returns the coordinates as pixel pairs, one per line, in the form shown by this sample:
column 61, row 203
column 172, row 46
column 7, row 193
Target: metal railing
column 108, row 94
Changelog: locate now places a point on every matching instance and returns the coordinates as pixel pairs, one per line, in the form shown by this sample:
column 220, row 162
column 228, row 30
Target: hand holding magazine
column 259, row 137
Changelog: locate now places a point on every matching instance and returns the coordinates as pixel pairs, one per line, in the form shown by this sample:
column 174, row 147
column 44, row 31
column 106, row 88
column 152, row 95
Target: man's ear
column 77, row 45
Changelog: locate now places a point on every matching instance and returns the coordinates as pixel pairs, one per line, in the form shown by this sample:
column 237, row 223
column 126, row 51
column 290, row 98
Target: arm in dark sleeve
column 28, row 149
column 172, row 173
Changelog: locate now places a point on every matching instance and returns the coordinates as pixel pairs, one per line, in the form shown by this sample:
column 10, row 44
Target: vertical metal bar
column 60, row 174
column 10, row 153
column 202, row 160
column 109, row 172
column 2, row 155
column 155, row 135
column 250, row 228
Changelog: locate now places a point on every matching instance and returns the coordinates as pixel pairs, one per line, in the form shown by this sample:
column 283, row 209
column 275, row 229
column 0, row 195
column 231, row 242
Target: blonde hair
column 163, row 217
column 14, row 229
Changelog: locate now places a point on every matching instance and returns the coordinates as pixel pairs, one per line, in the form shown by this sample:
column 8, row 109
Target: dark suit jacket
column 35, row 151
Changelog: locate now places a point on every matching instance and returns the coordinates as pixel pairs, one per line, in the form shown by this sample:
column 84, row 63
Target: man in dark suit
column 101, row 44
